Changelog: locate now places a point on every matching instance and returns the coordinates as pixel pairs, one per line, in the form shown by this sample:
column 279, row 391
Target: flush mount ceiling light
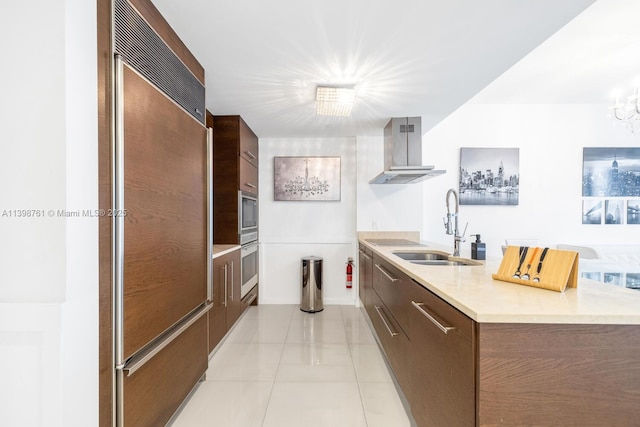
column 334, row 101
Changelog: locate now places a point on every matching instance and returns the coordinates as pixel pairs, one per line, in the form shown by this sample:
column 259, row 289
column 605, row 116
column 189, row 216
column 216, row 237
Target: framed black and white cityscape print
column 633, row 211
column 611, row 185
column 489, row 176
column 611, row 172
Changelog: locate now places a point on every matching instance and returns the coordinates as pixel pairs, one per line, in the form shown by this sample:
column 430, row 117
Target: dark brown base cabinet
column 457, row 372
column 365, row 262
column 442, row 361
column 227, row 304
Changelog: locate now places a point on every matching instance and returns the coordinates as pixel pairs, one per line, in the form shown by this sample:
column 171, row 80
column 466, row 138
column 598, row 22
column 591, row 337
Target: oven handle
column 248, row 248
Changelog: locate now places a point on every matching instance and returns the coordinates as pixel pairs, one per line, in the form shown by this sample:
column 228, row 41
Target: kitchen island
column 468, row 350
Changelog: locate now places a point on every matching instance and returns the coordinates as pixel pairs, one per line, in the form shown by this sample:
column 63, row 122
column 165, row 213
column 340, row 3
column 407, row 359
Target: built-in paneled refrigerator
column 161, row 248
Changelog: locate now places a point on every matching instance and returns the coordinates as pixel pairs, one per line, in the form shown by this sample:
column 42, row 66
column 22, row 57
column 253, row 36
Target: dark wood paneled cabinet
column 365, row 263
column 456, row 372
column 148, row 401
column 227, row 306
column 442, row 360
column 235, row 168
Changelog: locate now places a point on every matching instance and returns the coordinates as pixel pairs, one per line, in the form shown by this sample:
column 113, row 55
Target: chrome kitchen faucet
column 457, row 238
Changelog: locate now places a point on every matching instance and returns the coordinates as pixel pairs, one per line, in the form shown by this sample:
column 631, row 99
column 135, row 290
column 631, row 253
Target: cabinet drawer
column 446, row 315
column 154, row 392
column 248, row 177
column 393, row 339
column 442, row 383
column 393, row 287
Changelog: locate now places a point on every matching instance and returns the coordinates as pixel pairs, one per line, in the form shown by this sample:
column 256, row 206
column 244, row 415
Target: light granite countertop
column 472, row 290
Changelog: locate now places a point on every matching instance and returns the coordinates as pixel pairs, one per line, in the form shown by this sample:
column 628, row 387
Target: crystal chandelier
column 628, row 112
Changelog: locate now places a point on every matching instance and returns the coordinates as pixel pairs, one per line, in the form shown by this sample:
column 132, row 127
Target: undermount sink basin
column 444, row 262
column 422, row 256
column 434, row 258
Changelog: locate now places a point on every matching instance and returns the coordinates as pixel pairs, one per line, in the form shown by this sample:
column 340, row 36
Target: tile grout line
column 273, row 383
column 350, row 346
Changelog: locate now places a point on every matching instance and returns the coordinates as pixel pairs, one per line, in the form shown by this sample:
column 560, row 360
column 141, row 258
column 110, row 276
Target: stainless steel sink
column 422, row 256
column 444, row 262
column 435, row 258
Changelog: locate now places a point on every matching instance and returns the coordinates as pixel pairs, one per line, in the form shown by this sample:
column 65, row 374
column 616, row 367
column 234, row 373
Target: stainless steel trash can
column 311, row 299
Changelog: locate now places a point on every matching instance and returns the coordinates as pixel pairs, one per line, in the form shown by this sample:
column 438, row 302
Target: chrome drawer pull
column 250, row 185
column 390, row 277
column 226, row 277
column 232, row 281
column 250, row 154
column 392, row 333
column 419, row 305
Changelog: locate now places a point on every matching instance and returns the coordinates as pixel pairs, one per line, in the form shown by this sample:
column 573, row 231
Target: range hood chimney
column 403, row 153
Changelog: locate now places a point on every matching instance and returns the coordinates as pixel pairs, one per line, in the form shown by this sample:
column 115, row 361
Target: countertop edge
column 569, row 312
column 223, row 249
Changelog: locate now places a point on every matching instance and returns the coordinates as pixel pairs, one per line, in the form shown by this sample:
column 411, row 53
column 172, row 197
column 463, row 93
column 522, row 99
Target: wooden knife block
column 559, row 269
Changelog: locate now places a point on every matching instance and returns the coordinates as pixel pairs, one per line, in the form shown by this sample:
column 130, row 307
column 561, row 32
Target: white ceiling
column 586, row 62
column 264, row 59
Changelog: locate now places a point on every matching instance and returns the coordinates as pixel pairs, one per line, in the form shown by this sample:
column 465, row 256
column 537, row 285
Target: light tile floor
column 282, row 367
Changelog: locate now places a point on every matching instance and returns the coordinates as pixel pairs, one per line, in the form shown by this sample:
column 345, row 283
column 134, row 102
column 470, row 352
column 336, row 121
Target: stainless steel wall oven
column 247, row 217
column 248, row 267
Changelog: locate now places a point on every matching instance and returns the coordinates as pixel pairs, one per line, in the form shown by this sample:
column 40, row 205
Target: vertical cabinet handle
column 443, row 328
column 225, row 283
column 209, row 214
column 117, row 202
column 389, row 276
column 232, row 282
column 386, row 324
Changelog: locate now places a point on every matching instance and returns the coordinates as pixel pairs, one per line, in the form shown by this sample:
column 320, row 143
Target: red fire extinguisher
column 349, row 273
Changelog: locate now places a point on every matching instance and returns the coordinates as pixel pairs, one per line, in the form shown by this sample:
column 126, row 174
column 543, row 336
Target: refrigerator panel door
column 151, row 395
column 165, row 227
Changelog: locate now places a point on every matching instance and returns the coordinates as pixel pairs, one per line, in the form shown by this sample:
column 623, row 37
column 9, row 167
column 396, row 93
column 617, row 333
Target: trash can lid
column 312, row 258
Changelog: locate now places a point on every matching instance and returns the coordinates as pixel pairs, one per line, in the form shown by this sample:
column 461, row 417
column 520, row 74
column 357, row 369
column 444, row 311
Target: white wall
column 291, row 230
column 551, row 140
column 390, row 207
column 48, row 263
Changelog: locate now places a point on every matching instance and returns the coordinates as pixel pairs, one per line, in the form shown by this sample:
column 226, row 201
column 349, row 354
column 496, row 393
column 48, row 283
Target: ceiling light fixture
column 628, row 112
column 335, row 101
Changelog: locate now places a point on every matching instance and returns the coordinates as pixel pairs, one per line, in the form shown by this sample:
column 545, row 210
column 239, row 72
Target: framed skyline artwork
column 611, row 172
column 306, row 178
column 489, row 176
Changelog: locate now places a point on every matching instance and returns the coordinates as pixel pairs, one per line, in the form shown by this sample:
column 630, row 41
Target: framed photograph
column 613, row 278
column 306, row 178
column 489, row 176
column 591, row 211
column 633, row 280
column 593, row 275
column 613, row 211
column 610, row 172
column 633, row 211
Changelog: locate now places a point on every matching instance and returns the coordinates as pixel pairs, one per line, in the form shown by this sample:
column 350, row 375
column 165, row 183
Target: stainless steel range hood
column 403, row 153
